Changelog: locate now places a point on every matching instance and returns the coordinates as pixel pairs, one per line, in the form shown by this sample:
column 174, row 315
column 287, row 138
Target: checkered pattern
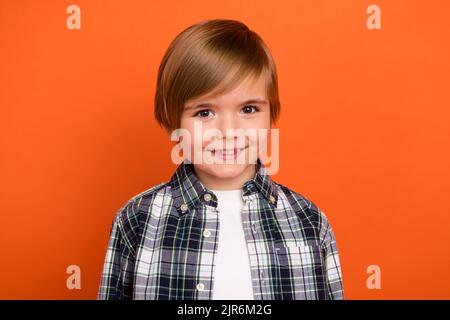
column 163, row 243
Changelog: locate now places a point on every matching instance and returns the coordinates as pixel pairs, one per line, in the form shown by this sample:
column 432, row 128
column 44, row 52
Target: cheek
column 261, row 126
column 259, row 121
column 187, row 129
column 197, row 134
column 186, row 122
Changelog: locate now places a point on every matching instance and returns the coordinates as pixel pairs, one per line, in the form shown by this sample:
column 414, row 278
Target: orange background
column 364, row 132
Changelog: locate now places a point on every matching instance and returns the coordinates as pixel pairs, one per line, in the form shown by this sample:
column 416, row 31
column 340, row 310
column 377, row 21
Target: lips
column 228, row 150
column 227, row 153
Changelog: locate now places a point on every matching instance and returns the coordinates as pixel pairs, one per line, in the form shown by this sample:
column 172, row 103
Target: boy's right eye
column 203, row 113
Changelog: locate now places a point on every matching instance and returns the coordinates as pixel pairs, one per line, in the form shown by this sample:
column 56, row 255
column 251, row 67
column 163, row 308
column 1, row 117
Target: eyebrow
column 210, row 104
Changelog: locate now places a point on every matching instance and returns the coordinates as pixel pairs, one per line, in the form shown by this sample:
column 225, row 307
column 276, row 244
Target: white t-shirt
column 232, row 277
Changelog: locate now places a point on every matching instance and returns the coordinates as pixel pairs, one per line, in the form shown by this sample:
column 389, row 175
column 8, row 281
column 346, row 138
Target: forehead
column 251, row 87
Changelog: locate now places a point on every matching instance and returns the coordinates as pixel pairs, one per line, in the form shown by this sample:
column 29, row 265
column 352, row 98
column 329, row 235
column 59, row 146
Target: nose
column 231, row 122
column 235, row 137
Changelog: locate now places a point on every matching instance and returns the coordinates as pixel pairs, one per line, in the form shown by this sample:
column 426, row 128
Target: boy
column 220, row 230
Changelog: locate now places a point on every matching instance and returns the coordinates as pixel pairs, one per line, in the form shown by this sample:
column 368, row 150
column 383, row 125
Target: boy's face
column 228, row 159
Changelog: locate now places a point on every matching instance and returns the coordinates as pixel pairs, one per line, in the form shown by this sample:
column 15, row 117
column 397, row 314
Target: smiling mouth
column 227, row 153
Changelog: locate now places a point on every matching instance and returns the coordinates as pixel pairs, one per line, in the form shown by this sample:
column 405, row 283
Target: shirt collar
column 187, row 190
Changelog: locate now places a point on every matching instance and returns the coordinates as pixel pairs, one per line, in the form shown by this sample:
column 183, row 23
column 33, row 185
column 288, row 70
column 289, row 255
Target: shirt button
column 207, row 197
column 184, row 207
column 206, row 233
column 272, row 199
column 200, row 286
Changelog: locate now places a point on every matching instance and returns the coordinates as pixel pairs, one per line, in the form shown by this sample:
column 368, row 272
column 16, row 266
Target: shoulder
column 140, row 201
column 309, row 214
column 304, row 207
column 131, row 214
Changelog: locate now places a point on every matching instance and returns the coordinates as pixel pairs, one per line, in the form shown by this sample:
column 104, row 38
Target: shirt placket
column 258, row 257
column 210, row 236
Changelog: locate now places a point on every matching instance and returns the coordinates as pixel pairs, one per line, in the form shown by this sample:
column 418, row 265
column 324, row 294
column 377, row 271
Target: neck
column 215, row 183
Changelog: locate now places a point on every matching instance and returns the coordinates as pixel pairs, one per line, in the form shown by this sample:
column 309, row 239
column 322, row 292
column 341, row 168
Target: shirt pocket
column 306, row 256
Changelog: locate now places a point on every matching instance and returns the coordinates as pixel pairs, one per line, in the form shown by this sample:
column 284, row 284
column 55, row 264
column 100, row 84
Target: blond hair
column 212, row 55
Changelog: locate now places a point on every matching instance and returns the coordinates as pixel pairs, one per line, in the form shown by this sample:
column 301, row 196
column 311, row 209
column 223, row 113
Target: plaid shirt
column 163, row 243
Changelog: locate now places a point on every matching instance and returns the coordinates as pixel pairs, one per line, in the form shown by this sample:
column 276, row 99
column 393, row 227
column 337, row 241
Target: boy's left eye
column 250, row 109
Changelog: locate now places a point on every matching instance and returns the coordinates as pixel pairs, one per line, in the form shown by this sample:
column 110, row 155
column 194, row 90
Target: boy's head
column 220, row 76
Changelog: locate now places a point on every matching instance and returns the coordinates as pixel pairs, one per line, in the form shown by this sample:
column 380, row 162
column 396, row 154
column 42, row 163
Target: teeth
column 227, row 152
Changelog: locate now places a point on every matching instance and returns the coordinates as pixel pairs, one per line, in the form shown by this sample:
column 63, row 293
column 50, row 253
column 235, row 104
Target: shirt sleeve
column 117, row 275
column 332, row 262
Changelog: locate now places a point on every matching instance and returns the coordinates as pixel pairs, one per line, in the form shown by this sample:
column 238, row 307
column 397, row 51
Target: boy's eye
column 207, row 112
column 203, row 113
column 250, row 109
